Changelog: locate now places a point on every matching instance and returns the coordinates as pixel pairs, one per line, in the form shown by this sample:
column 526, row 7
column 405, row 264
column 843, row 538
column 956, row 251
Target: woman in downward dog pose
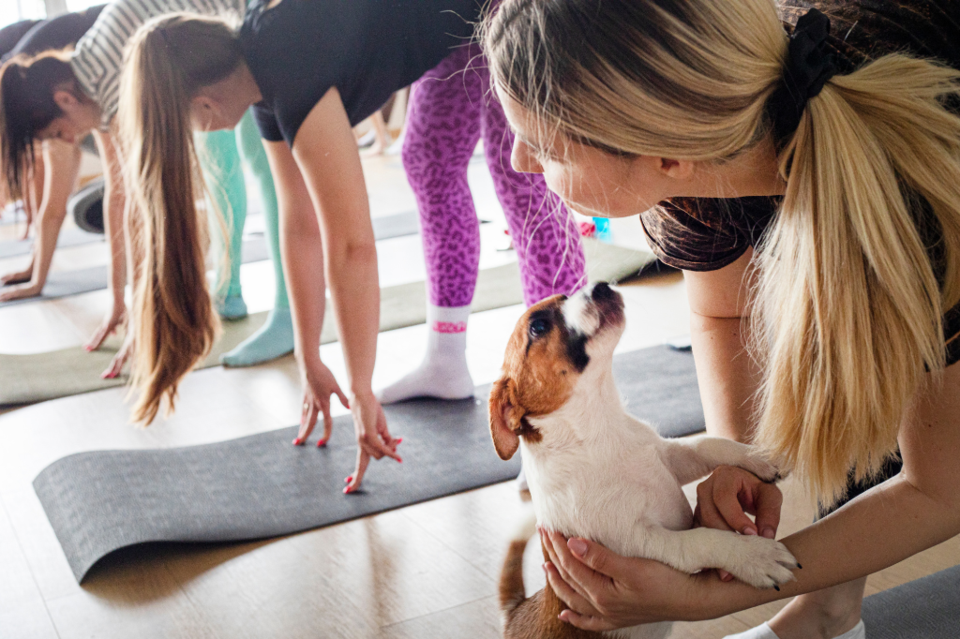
column 55, row 171
column 811, row 185
column 308, row 91
column 65, row 95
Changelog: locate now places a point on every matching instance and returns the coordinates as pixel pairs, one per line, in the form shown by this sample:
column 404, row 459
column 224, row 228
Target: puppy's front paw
column 761, row 562
column 761, row 467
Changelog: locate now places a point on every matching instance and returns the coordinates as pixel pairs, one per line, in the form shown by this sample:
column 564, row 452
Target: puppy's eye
column 539, row 327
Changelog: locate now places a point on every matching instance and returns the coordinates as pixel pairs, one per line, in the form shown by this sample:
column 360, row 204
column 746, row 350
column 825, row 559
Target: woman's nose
column 523, row 158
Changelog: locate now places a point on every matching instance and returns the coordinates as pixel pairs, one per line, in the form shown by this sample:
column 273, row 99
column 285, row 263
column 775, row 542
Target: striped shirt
column 98, row 58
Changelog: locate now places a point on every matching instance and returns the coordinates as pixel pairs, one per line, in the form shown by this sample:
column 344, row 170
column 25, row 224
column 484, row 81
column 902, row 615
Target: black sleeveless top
column 701, row 234
column 367, row 49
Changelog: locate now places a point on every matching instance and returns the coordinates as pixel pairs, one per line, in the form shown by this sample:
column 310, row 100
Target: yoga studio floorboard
column 424, row 571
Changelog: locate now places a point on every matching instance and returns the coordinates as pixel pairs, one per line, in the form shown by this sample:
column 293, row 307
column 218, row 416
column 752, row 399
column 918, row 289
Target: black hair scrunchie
column 810, row 63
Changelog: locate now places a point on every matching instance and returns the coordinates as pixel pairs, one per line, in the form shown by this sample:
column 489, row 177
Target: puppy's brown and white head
column 556, row 345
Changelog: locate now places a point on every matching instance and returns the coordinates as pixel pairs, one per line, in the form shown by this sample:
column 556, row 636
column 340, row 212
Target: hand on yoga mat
column 17, row 277
column 318, row 385
column 373, row 437
column 116, row 364
column 20, row 292
column 109, row 325
column 725, row 497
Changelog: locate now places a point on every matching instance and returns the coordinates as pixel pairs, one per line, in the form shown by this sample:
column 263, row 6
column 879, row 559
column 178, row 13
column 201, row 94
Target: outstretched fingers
column 354, row 480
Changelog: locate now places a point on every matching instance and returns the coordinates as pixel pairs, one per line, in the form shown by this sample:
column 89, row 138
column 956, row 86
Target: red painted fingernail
column 321, row 443
column 400, row 440
column 297, row 441
column 348, row 479
column 399, row 461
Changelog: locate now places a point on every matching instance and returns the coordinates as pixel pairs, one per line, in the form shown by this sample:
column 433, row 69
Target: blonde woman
column 811, row 185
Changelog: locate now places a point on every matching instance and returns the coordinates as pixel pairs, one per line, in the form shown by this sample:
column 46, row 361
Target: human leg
column 224, row 177
column 544, row 234
column 275, row 338
column 442, row 132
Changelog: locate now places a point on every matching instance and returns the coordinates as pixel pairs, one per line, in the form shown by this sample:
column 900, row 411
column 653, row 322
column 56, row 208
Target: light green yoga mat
column 26, row 379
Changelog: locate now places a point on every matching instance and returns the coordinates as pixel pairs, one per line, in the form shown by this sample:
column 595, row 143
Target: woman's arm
column 62, row 162
column 727, row 376
column 114, row 203
column 728, row 379
column 332, row 179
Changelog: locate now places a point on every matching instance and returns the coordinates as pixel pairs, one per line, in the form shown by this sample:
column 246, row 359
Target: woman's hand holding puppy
column 605, row 590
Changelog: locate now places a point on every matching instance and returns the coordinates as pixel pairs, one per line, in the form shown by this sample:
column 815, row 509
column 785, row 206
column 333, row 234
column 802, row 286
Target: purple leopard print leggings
column 451, row 107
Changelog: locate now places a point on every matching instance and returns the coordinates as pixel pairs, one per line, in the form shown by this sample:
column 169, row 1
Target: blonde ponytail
column 864, row 256
column 849, row 306
column 173, row 319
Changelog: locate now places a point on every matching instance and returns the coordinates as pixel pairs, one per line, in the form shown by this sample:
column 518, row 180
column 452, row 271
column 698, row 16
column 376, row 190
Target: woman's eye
column 539, row 327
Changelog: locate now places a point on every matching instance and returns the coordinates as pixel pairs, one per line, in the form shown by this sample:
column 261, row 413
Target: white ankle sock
column 763, row 631
column 443, row 372
column 760, row 632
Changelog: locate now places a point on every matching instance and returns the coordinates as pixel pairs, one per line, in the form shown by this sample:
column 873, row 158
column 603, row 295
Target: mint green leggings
column 221, row 162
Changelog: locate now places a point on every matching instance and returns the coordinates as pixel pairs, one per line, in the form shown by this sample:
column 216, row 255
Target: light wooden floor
column 423, row 571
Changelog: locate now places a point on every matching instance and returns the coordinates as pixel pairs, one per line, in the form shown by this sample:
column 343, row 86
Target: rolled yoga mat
column 261, row 486
column 38, row 377
column 254, row 249
column 928, row 608
column 86, row 208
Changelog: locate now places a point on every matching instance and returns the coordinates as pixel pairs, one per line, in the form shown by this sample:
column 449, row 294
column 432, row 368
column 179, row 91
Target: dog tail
column 512, row 593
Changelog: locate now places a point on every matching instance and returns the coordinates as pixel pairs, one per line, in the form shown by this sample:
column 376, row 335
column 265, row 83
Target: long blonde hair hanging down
column 847, row 316
column 173, row 318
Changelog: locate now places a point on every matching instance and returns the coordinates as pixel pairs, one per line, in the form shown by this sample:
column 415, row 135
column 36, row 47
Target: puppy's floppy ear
column 505, row 418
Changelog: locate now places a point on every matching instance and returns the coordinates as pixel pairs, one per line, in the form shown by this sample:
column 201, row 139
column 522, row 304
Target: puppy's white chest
column 611, row 499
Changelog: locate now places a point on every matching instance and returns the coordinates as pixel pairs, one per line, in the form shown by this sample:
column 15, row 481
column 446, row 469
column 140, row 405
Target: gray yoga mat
column 38, row 377
column 261, row 486
column 928, row 608
column 386, row 227
column 254, row 249
column 70, row 236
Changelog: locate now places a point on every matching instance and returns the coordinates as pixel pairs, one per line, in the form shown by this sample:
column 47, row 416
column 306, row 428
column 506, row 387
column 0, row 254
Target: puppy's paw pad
column 762, row 563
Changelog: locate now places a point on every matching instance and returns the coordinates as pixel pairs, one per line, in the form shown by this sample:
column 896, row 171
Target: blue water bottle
column 604, row 234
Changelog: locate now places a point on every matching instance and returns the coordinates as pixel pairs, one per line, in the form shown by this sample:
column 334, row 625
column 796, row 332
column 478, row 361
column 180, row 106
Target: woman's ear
column 204, row 111
column 676, row 169
column 66, row 100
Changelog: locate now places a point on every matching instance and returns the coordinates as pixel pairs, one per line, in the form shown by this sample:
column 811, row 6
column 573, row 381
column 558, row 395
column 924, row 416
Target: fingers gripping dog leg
column 691, row 458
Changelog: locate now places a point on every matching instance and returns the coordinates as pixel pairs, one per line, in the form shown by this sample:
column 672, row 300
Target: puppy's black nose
column 602, row 292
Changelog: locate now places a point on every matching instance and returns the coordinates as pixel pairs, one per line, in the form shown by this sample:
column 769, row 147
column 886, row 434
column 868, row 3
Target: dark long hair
column 27, row 106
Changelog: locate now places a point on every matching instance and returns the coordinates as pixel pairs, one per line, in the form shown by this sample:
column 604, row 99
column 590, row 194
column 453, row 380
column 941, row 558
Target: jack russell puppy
column 595, row 471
